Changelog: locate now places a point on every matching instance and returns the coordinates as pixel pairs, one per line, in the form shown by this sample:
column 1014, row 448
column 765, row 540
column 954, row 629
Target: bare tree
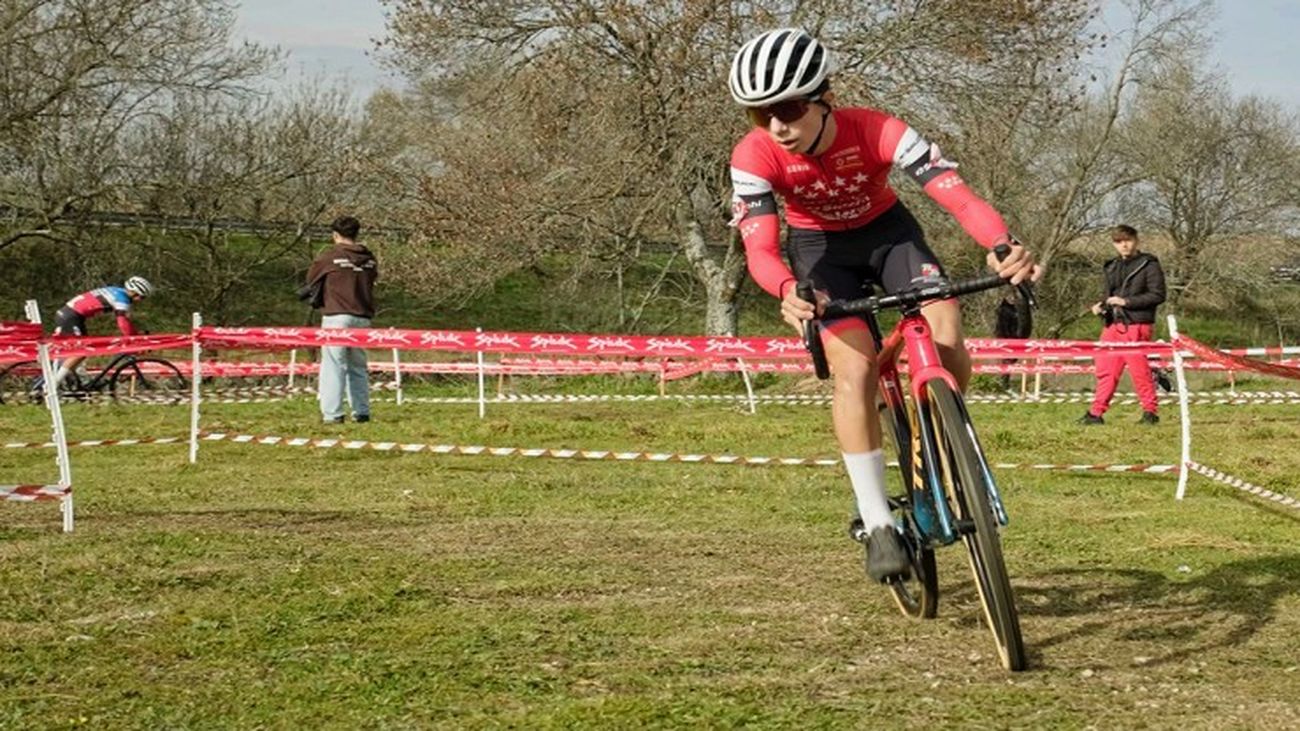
column 598, row 125
column 239, row 186
column 1053, row 160
column 1215, row 170
column 75, row 74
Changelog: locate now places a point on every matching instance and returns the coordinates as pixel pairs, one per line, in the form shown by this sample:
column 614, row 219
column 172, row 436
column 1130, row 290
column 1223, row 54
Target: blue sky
column 1257, row 42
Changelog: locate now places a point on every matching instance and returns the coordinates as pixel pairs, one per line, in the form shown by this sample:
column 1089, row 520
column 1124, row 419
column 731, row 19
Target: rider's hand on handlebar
column 1019, row 265
column 795, row 310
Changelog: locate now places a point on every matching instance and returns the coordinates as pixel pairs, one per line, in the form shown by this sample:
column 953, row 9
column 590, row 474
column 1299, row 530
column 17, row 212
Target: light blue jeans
column 342, row 367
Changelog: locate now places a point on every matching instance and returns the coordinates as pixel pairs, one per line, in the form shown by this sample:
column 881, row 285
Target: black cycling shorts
column 68, row 321
column 889, row 252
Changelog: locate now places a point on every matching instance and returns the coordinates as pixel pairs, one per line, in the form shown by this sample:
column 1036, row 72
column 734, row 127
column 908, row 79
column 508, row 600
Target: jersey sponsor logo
column 931, row 166
column 798, row 167
column 847, row 158
column 746, row 183
column 912, row 148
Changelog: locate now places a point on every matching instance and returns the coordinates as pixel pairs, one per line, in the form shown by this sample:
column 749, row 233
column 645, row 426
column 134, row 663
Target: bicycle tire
column 917, row 597
column 14, row 386
column 151, row 378
column 970, row 497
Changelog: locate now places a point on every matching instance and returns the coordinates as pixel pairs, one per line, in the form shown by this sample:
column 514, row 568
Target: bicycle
column 125, row 376
column 949, row 492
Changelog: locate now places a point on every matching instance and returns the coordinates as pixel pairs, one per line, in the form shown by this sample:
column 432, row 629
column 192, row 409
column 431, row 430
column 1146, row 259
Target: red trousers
column 1111, row 367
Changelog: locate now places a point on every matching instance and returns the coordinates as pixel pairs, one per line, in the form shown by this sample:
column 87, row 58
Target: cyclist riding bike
column 70, row 320
column 847, row 232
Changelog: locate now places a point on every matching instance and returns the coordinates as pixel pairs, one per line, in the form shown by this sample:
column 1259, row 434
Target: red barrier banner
column 11, row 331
column 1237, row 362
column 613, row 345
column 76, row 347
column 462, row 341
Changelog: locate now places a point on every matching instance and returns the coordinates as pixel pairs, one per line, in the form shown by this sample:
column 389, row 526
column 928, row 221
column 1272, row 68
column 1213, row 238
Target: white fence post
column 1184, row 414
column 293, row 368
column 397, row 374
column 196, row 374
column 749, row 386
column 482, row 397
column 55, row 407
column 60, row 435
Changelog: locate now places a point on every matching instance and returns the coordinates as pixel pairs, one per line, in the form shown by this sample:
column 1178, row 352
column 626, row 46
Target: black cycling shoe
column 1149, row 417
column 1089, row 419
column 887, row 556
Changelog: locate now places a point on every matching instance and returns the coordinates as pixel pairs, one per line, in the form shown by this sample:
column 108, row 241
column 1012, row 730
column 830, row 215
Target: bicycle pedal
column 963, row 527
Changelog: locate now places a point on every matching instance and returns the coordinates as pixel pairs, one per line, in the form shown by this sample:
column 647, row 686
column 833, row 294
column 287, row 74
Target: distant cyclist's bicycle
column 949, row 492
column 125, row 376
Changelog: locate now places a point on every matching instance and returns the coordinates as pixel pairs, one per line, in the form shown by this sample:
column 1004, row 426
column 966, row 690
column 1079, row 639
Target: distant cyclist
column 848, row 232
column 70, row 320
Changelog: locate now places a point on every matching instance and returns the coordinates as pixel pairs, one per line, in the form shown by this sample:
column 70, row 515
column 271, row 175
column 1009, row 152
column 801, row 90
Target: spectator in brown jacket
column 345, row 274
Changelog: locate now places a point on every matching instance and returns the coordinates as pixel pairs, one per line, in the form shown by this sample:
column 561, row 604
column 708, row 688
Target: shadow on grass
column 1219, row 609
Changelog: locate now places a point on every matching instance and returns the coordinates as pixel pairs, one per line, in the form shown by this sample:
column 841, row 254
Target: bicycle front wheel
column 967, row 485
column 16, row 382
column 151, row 379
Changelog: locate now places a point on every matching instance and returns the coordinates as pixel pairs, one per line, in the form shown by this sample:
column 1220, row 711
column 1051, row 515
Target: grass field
column 282, row 587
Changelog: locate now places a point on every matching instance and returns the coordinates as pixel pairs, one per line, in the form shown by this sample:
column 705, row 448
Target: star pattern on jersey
column 831, row 188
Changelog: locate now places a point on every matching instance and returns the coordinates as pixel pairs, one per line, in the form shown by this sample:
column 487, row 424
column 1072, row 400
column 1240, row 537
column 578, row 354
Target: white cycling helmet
column 781, row 64
column 138, row 285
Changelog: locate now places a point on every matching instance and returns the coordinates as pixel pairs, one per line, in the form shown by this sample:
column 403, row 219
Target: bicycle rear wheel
column 965, row 480
column 150, row 379
column 918, row 596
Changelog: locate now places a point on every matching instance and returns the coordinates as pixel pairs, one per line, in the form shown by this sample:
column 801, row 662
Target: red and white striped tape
column 1206, row 398
column 627, row 456
column 97, row 443
column 1242, row 485
column 33, row 493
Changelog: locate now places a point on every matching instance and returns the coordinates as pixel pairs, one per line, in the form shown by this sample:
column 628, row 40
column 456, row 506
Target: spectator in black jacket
column 1135, row 286
column 1015, row 321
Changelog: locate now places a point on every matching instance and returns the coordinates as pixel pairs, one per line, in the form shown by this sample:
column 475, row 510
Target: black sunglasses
column 788, row 111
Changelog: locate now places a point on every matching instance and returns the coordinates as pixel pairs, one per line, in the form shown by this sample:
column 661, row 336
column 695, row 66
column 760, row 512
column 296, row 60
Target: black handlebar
column 911, row 298
column 907, row 299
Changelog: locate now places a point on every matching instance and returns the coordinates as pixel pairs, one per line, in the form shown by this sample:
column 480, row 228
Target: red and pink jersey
column 843, row 188
column 105, row 299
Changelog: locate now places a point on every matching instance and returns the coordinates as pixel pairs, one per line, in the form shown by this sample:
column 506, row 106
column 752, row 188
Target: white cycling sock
column 867, row 473
column 61, row 375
